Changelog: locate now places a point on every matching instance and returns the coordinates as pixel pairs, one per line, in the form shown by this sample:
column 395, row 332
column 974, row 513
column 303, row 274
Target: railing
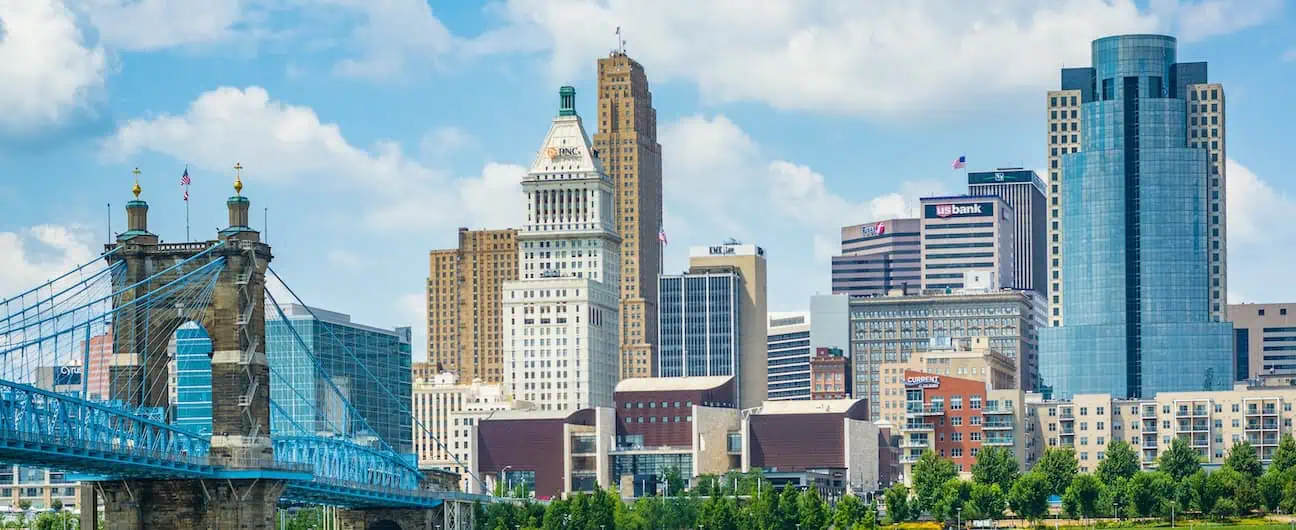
column 997, row 424
column 923, row 409
column 997, row 409
column 919, row 426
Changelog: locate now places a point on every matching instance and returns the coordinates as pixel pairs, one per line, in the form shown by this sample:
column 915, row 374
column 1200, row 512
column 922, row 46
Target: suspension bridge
column 117, row 430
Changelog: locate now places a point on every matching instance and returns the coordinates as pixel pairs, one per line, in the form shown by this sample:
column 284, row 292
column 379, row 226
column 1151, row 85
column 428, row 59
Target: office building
column 1264, row 340
column 965, row 234
column 1142, row 290
column 192, row 384
column 967, row 359
column 788, row 345
column 829, row 374
column 713, row 319
column 561, row 315
column 631, row 156
column 438, row 401
column 98, row 354
column 365, row 366
column 1024, row 192
column 878, row 257
column 463, row 303
column 887, row 331
column 958, row 417
column 1211, row 422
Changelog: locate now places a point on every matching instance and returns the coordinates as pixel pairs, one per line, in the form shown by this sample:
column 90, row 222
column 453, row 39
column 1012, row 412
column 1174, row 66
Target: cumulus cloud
column 285, row 143
column 1195, row 20
column 1258, row 246
column 50, row 73
column 41, row 253
column 150, row 25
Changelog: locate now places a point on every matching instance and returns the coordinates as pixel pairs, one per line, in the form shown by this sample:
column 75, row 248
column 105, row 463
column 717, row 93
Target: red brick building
column 829, row 374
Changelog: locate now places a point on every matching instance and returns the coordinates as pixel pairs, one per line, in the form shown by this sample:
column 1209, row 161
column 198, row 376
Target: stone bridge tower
column 235, row 321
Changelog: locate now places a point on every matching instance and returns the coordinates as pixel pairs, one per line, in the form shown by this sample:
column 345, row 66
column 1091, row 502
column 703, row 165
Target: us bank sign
column 943, row 211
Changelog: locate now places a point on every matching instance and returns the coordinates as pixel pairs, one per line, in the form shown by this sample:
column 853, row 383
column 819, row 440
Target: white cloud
column 866, row 57
column 412, row 307
column 392, row 34
column 345, row 259
column 149, row 25
column 1259, row 243
column 279, row 143
column 39, row 254
column 49, row 73
column 444, row 142
column 1196, row 20
column 719, row 184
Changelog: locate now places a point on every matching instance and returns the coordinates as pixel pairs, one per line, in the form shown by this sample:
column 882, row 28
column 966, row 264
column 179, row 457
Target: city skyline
column 388, row 171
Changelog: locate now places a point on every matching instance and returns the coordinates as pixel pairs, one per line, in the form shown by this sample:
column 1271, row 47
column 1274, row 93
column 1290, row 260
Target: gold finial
column 137, row 189
column 238, row 178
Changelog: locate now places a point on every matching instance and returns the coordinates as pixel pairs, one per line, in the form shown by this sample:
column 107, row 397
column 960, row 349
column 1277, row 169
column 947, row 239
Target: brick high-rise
column 463, row 297
column 627, row 145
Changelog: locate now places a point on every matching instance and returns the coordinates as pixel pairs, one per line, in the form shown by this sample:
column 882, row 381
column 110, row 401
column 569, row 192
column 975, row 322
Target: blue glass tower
column 193, row 349
column 699, row 330
column 1135, row 258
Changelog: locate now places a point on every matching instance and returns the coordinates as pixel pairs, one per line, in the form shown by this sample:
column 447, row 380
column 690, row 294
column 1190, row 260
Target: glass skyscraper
column 349, row 361
column 1135, row 256
column 699, row 319
column 193, row 385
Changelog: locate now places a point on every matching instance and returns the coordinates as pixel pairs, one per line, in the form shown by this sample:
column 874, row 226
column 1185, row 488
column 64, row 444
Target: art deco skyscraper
column 627, row 145
column 463, row 296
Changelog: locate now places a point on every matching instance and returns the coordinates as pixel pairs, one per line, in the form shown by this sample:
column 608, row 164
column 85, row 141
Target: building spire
column 238, row 178
column 137, row 189
column 567, row 101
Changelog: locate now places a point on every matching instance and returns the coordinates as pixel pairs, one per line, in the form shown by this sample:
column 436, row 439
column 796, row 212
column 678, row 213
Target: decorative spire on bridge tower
column 238, row 211
column 137, row 218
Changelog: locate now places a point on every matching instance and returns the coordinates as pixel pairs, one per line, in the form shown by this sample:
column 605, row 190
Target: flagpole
column 187, row 238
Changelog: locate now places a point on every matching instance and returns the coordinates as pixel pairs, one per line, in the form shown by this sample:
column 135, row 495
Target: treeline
column 1119, row 487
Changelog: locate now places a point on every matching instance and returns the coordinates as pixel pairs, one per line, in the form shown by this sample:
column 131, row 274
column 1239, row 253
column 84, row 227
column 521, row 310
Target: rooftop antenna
column 620, row 41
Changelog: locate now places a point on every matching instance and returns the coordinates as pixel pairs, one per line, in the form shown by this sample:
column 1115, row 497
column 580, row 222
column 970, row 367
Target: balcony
column 909, row 458
column 915, row 443
column 1068, row 429
column 997, row 409
column 1066, row 414
column 916, row 409
column 999, row 424
column 919, row 426
column 1007, row 440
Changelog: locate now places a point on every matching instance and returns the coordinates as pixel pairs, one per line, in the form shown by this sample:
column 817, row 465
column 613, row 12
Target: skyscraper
column 1181, row 84
column 788, row 345
column 877, row 257
column 193, row 403
column 463, row 297
column 1023, row 190
column 627, row 146
column 1139, row 197
column 962, row 235
column 560, row 315
column 714, row 320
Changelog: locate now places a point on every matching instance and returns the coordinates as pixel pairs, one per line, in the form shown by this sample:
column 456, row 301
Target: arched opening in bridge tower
column 190, row 378
column 385, row 525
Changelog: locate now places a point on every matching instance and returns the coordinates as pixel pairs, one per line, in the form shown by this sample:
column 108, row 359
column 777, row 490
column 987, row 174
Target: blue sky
column 371, row 129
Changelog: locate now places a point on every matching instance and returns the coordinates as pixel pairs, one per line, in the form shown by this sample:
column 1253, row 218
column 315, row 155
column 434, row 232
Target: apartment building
column 957, row 417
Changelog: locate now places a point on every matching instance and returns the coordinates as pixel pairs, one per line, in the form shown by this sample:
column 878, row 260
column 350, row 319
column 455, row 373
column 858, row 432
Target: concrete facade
column 1264, row 340
column 749, row 260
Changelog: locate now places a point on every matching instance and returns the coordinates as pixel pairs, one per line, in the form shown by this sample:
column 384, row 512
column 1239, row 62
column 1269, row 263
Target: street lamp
column 507, row 485
column 958, row 517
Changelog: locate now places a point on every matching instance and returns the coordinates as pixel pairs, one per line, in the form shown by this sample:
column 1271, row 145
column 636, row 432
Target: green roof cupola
column 567, row 101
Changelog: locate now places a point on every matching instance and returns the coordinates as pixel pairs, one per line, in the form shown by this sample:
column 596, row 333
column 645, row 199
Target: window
column 975, row 436
column 956, row 452
column 956, row 420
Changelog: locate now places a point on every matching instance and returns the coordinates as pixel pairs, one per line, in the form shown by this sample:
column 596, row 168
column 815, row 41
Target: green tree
column 1148, row 492
column 1284, row 457
column 675, row 484
column 1114, row 498
column 1180, row 460
column 1270, row 486
column 764, row 510
column 954, row 495
column 1199, row 496
column 987, row 501
column 897, row 504
column 1242, row 458
column 811, row 510
column 995, row 465
column 1081, row 497
column 788, row 507
column 849, row 511
column 930, row 473
column 1120, row 461
column 56, row 504
column 1029, row 496
column 556, row 515
column 1059, row 466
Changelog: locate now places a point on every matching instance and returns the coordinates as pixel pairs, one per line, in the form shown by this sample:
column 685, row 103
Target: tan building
column 627, row 145
column 463, row 299
column 967, row 359
column 1264, row 341
column 957, row 417
column 1211, row 421
column 753, row 360
column 436, row 400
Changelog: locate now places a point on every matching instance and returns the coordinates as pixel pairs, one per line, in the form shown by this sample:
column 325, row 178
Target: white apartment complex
column 436, row 400
column 561, row 317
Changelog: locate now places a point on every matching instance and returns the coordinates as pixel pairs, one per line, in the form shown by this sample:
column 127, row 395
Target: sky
column 370, row 130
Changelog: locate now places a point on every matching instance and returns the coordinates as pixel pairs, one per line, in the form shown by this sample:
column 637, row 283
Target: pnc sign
column 922, row 381
column 562, row 152
column 942, row 211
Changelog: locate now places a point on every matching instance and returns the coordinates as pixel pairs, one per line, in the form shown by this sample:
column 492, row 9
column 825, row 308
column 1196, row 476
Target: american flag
column 185, row 181
column 960, row 163
column 661, row 236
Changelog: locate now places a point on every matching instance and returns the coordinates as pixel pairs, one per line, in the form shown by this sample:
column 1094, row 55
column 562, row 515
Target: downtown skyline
column 369, row 148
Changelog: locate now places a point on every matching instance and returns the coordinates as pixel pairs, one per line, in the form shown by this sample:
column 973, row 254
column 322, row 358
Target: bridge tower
column 235, row 321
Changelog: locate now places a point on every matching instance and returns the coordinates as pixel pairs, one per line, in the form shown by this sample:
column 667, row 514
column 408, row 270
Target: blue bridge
column 115, row 427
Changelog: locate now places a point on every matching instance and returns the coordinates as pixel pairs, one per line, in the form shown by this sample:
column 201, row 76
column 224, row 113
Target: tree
column 1120, row 461
column 788, row 507
column 1029, row 496
column 1059, row 466
column 674, row 482
column 1081, row 497
column 811, row 510
column 1242, row 458
column 955, row 494
column 897, row 504
column 1113, row 497
column 56, row 504
column 1179, row 461
column 995, row 465
column 930, row 474
column 555, row 516
column 1148, row 491
column 1270, row 486
column 1284, row 457
column 848, row 511
column 987, row 501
